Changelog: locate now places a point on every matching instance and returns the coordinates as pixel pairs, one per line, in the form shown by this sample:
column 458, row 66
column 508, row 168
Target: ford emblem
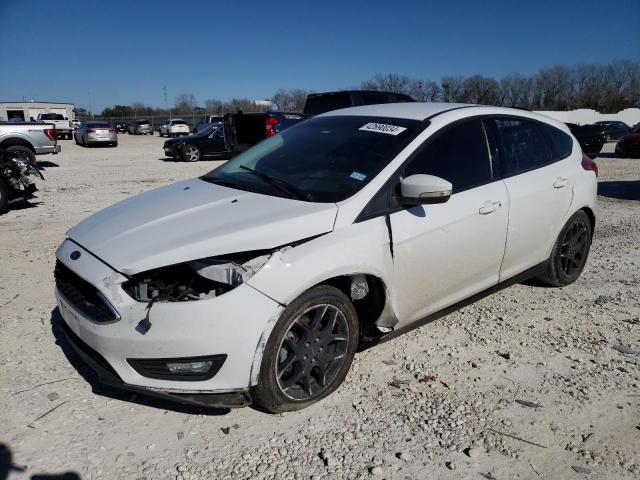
column 75, row 255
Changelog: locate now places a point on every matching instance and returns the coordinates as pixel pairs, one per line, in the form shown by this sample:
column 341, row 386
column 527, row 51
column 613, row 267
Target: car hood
column 194, row 219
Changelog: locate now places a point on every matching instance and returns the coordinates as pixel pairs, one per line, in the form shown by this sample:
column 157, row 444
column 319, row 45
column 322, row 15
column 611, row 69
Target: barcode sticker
column 382, row 128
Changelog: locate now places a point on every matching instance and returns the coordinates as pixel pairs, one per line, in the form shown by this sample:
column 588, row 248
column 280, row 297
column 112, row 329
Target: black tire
column 23, row 153
column 4, row 197
column 570, row 252
column 160, row 133
column 75, row 137
column 115, row 144
column 191, row 153
column 326, row 342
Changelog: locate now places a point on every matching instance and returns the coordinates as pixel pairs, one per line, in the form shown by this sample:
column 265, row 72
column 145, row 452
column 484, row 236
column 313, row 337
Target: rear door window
column 458, row 154
column 522, row 145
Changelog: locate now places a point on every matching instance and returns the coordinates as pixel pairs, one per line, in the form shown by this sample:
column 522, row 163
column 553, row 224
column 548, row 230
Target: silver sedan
column 92, row 133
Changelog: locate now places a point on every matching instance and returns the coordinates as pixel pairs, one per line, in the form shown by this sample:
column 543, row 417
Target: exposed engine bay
column 195, row 280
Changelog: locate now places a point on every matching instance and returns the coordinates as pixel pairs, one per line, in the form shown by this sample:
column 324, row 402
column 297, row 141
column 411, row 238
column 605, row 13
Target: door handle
column 489, row 207
column 560, row 182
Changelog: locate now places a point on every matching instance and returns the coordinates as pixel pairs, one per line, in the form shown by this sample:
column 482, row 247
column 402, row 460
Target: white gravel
column 457, row 418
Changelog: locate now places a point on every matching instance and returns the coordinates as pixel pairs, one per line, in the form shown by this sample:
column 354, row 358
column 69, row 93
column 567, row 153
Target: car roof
column 424, row 110
column 409, row 110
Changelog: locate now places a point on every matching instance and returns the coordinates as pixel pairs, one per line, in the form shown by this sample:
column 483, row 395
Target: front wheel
column 570, row 252
column 309, row 351
column 22, row 153
column 191, row 153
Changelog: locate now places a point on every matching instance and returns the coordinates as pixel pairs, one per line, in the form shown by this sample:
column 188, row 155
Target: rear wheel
column 570, row 252
column 191, row 153
column 161, row 134
column 4, row 197
column 309, row 351
column 22, row 153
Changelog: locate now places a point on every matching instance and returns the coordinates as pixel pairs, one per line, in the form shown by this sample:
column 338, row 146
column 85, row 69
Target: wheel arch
column 14, row 141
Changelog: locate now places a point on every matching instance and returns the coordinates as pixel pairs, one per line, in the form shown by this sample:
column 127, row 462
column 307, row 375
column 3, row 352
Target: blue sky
column 101, row 53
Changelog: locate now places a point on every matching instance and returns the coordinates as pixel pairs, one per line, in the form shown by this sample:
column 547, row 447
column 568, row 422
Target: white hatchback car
column 258, row 281
column 174, row 127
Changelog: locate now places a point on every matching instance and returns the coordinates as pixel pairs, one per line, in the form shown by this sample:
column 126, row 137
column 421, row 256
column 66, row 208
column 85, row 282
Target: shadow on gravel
column 7, row 466
column 622, row 190
column 46, row 164
column 23, row 204
column 106, row 391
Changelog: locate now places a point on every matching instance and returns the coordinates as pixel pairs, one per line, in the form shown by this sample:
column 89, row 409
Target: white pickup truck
column 28, row 139
column 64, row 128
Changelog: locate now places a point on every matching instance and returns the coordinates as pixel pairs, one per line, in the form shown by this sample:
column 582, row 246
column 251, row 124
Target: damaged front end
column 195, row 280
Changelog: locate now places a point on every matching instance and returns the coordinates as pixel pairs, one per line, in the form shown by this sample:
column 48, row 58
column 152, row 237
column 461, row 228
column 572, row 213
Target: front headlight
column 195, row 280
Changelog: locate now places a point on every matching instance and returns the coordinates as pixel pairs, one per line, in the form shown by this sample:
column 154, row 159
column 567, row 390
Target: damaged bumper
column 231, row 324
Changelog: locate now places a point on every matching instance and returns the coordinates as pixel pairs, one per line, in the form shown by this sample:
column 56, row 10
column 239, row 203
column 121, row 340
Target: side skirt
column 521, row 277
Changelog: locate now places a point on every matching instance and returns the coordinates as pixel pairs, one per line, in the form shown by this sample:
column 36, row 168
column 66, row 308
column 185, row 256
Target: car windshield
column 324, row 159
column 179, row 122
column 98, row 125
column 142, row 122
column 209, row 130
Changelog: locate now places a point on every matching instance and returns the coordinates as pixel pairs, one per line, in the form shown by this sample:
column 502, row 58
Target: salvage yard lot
column 531, row 382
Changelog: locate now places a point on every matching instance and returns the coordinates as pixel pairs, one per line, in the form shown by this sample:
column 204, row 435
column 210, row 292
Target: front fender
column 358, row 248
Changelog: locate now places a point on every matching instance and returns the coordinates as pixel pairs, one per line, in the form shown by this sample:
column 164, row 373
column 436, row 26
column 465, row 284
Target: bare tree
column 185, row 102
column 516, row 91
column 452, row 89
column 213, row 105
column 424, row 90
column 282, row 99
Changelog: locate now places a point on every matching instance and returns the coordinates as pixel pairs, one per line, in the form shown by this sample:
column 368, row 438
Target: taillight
column 589, row 164
column 112, row 130
column 51, row 134
column 271, row 126
column 91, row 130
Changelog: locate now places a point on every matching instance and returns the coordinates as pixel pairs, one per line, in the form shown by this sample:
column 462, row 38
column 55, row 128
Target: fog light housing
column 187, row 369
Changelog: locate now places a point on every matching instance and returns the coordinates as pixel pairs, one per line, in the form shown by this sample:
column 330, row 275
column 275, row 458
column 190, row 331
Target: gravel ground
column 528, row 383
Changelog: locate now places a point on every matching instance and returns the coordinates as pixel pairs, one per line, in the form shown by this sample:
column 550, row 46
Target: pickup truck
column 28, row 139
column 64, row 128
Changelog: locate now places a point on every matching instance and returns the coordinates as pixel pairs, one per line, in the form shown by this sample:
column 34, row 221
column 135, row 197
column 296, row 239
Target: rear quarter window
column 561, row 144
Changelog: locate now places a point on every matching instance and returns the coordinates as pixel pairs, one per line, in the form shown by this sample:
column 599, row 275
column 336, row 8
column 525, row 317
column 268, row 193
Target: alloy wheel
column 191, row 153
column 574, row 248
column 312, row 352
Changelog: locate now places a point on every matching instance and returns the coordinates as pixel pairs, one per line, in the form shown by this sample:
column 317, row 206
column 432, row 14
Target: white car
column 257, row 281
column 174, row 127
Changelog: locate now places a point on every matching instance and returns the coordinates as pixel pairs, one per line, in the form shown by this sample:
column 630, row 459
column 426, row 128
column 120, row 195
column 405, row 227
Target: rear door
column 446, row 252
column 538, row 169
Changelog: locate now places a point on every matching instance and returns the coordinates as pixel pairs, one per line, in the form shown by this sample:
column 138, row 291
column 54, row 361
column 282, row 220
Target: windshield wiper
column 291, row 190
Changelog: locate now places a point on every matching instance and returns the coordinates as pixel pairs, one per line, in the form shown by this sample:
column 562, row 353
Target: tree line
column 607, row 88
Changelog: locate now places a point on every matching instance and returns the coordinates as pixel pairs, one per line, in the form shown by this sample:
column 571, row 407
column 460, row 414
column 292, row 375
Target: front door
column 446, row 252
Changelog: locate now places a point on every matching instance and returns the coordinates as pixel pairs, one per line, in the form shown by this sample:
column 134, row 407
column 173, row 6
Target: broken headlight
column 195, row 280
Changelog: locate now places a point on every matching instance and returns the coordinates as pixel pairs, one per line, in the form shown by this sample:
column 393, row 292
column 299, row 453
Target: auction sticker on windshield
column 382, row 128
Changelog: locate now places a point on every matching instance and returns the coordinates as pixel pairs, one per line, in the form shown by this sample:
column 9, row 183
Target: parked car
column 63, row 126
column 590, row 137
column 119, row 126
column 629, row 145
column 207, row 121
column 174, row 127
column 208, row 143
column 140, row 127
column 16, row 179
column 27, row 139
column 94, row 132
column 613, row 130
column 74, row 124
column 318, row 103
column 258, row 281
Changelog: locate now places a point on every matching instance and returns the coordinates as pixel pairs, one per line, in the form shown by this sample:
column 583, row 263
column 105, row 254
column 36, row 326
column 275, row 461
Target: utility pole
column 166, row 104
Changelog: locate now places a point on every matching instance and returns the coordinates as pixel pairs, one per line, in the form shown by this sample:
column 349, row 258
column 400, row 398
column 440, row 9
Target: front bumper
column 48, row 149
column 233, row 324
column 108, row 376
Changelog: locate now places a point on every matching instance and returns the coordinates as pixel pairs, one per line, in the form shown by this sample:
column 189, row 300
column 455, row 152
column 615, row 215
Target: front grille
column 82, row 295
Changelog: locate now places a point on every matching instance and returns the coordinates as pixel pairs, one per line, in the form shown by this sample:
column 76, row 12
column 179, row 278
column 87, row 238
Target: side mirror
column 421, row 189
